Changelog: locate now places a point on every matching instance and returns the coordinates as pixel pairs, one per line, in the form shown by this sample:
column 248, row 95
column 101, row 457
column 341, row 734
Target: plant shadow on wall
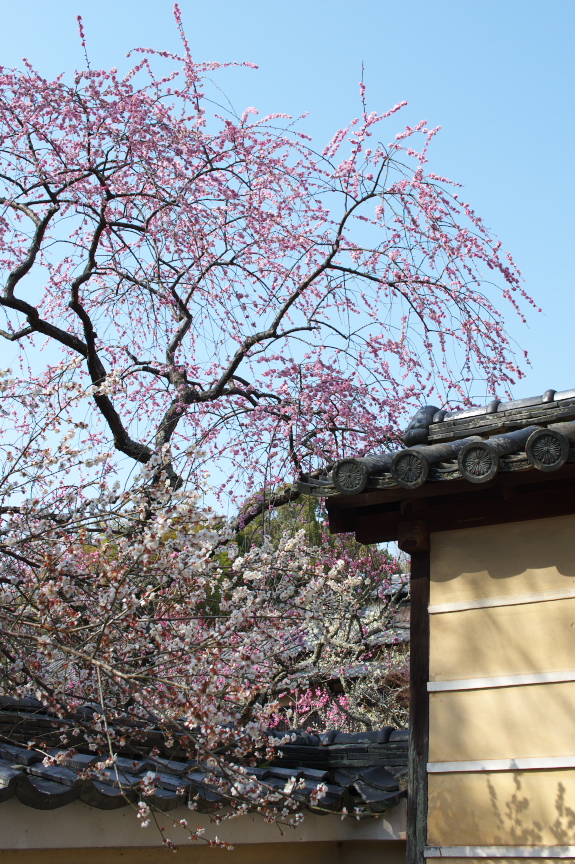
column 508, row 809
column 518, row 825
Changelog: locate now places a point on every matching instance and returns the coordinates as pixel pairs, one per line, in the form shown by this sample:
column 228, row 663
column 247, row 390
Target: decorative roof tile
column 474, row 444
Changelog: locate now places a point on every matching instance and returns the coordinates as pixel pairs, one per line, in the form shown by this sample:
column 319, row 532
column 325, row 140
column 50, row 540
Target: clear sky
column 497, row 75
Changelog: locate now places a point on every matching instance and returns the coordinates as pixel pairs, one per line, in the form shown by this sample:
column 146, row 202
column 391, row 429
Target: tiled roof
column 365, row 772
column 474, row 444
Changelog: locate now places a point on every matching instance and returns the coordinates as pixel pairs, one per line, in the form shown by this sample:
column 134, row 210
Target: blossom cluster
column 129, row 611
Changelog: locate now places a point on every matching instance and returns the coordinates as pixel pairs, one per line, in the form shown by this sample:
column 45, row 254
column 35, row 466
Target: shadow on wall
column 507, row 809
column 516, row 822
column 505, row 551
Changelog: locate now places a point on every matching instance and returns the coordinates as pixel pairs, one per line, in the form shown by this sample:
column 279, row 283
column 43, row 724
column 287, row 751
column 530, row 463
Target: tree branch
column 13, row 337
column 19, row 272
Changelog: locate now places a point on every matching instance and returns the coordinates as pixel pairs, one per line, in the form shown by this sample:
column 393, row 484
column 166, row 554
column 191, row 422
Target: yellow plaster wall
column 520, row 808
column 502, row 723
column 502, row 808
column 503, row 640
column 502, row 560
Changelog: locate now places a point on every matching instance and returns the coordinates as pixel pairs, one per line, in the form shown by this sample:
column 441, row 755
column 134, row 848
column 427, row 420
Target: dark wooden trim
column 418, row 709
column 413, row 537
column 522, row 496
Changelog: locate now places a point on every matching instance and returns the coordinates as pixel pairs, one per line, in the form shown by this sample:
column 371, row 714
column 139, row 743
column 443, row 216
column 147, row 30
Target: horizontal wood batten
column 501, row 681
column 499, row 852
column 505, row 600
column 528, row 763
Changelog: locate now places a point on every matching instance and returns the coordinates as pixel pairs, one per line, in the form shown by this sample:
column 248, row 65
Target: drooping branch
column 309, row 293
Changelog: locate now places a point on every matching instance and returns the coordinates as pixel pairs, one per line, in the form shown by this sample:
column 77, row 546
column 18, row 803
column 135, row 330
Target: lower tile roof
column 365, row 772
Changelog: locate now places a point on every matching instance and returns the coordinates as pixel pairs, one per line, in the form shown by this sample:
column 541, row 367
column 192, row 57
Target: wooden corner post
column 413, row 537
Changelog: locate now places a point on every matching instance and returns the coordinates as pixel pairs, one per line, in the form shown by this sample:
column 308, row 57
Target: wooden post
column 418, row 706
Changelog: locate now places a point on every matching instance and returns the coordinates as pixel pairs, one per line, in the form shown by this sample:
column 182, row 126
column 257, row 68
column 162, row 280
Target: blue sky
column 496, row 75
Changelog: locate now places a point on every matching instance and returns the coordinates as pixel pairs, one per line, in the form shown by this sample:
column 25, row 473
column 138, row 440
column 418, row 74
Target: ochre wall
column 347, row 852
column 503, row 640
column 482, row 860
column 502, row 722
column 502, row 560
column 499, row 808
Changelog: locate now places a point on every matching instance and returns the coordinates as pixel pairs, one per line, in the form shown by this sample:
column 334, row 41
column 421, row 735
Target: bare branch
column 19, row 272
column 13, row 337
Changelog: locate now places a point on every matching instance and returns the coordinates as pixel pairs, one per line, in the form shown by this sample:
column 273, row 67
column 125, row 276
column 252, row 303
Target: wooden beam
column 413, row 537
column 512, row 852
column 371, row 527
column 496, row 681
column 522, row 763
column 527, row 503
column 442, row 488
column 502, row 600
column 418, row 709
column 488, row 505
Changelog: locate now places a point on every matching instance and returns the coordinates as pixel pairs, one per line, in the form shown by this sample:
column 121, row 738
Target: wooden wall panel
column 504, row 640
column 502, row 723
column 502, row 560
column 521, row 808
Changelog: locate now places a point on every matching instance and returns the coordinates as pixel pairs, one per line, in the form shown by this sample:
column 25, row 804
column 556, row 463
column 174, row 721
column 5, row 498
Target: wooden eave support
column 375, row 517
column 413, row 537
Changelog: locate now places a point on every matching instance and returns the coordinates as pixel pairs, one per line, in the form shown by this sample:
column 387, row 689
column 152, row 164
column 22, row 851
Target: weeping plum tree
column 226, row 287
column 188, row 286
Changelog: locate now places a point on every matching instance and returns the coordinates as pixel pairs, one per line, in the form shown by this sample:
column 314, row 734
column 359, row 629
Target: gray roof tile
column 439, row 447
column 45, row 794
column 340, row 760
